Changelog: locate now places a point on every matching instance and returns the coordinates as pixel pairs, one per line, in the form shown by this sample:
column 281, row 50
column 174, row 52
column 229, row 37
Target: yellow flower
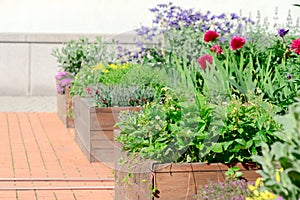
column 125, row 65
column 105, row 71
column 278, row 174
column 258, row 182
column 264, row 195
column 99, row 66
column 277, row 177
column 267, row 195
column 251, row 188
column 113, row 66
column 256, row 193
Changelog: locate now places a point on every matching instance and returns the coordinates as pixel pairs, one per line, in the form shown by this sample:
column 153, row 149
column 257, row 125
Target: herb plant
column 280, row 160
column 77, row 53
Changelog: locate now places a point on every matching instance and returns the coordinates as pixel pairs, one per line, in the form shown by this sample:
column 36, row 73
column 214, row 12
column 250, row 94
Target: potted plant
column 71, row 57
column 64, row 102
column 99, row 99
column 216, row 115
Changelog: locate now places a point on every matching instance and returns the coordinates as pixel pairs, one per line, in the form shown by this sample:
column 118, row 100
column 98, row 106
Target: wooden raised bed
column 64, row 108
column 150, row 180
column 94, row 129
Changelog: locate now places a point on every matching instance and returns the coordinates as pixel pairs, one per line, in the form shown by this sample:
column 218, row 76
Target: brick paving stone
column 37, row 145
column 25, row 195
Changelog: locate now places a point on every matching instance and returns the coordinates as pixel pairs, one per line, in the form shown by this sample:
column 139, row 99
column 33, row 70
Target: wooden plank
column 103, row 155
column 61, row 107
column 102, row 135
column 181, row 180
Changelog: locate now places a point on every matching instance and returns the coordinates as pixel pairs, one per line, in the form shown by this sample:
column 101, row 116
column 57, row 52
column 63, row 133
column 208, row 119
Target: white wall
column 115, row 16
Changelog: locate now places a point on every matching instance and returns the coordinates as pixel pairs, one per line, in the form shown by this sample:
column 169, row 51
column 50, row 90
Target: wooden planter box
column 94, row 129
column 64, row 108
column 151, row 180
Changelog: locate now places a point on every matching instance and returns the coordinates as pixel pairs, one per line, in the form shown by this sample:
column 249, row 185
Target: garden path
column 37, row 145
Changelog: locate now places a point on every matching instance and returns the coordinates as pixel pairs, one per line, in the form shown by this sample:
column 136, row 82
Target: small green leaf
column 217, row 148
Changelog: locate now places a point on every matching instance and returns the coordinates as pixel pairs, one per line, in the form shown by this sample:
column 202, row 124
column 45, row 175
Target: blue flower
column 153, row 9
column 282, row 32
column 234, row 16
column 162, row 5
column 222, row 16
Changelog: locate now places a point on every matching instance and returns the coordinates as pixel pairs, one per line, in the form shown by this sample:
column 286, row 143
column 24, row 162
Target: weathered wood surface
column 174, row 180
column 94, row 129
column 64, row 108
column 181, row 180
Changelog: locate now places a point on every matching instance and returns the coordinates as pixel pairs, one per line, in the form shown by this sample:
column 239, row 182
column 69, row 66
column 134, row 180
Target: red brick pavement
column 37, row 145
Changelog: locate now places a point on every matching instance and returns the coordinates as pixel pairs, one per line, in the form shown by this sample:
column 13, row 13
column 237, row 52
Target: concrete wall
column 27, row 67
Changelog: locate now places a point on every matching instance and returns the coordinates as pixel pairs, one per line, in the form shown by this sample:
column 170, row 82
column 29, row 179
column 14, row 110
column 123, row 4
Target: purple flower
column 162, row 5
column 282, row 32
column 234, row 16
column 289, row 76
column 222, row 16
column 153, row 9
column 59, row 75
column 66, row 82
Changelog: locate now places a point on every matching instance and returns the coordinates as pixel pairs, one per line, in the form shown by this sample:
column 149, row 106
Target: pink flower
column 60, row 75
column 89, row 91
column 210, row 36
column 216, row 49
column 296, row 46
column 204, row 59
column 237, row 43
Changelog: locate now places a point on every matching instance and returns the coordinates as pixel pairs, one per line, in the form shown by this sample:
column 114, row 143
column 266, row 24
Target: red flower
column 216, row 49
column 89, row 91
column 210, row 36
column 204, row 59
column 237, row 43
column 296, row 46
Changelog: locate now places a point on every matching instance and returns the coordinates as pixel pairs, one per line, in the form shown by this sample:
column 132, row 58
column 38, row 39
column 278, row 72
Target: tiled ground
column 27, row 103
column 37, row 145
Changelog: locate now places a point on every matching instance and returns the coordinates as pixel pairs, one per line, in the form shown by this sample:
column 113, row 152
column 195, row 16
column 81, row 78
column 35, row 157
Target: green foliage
column 163, row 131
column 88, row 75
column 77, row 53
column 283, row 155
column 239, row 129
column 114, row 73
column 145, row 75
column 120, row 95
column 233, row 173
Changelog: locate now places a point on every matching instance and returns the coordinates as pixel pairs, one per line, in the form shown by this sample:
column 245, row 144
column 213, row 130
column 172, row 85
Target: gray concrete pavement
column 28, row 104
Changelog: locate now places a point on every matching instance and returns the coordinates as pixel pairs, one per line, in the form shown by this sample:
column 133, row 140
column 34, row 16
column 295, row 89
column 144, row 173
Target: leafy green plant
column 88, row 75
column 114, row 73
column 163, row 131
column 283, row 155
column 77, row 53
column 120, row 95
column 240, row 128
column 233, row 173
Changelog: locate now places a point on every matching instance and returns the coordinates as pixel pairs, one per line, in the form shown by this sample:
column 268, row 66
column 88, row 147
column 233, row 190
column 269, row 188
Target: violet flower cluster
column 171, row 17
column 63, row 80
